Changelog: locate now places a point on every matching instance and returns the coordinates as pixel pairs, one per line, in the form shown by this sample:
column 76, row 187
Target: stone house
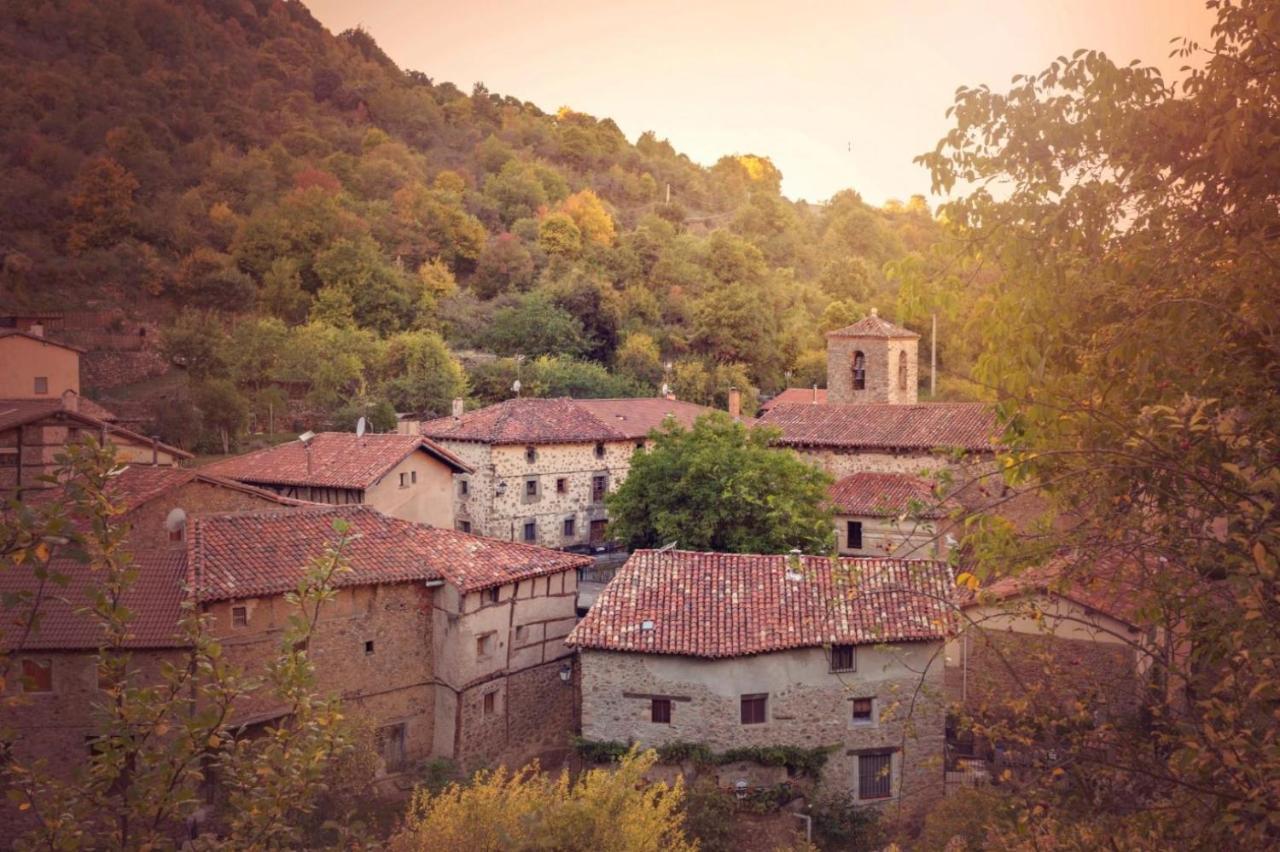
column 889, row 514
column 541, row 467
column 404, row 476
column 42, row 411
column 451, row 645
column 736, row 650
column 1063, row 641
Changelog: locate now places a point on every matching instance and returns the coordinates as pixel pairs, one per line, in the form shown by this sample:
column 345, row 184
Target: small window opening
column 491, row 595
column 569, row 527
column 464, row 526
column 862, row 708
column 531, row 531
column 464, row 487
column 531, row 454
column 599, row 450
column 874, row 775
column 42, row 384
column 37, row 675
column 239, row 616
column 902, row 371
column 531, row 488
column 660, row 711
column 490, row 703
column 859, row 371
column 368, row 647
column 754, row 709
column 855, row 535
column 562, row 485
column 843, row 658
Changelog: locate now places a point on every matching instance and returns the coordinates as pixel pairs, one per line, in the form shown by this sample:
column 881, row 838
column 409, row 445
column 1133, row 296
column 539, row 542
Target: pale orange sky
column 797, row 81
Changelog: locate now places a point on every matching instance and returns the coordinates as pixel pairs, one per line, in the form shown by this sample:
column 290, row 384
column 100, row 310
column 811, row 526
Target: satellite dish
column 515, row 386
column 361, row 426
column 306, row 437
column 175, row 520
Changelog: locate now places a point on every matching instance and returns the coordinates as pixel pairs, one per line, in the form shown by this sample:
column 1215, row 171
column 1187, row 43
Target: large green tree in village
column 721, row 486
column 1133, row 342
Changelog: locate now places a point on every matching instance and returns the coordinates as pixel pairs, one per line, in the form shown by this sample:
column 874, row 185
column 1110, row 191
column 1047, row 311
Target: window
column 843, row 658
column 484, row 645
column 660, row 711
column 464, row 487
column 854, row 540
column 239, row 616
column 404, row 480
column 875, row 780
column 464, row 526
column 862, row 711
column 42, row 384
column 413, row 477
column 521, row 631
column 531, row 454
column 599, row 484
column 902, row 371
column 562, row 485
column 599, row 449
column 491, row 595
column 639, row 445
column 531, row 488
column 392, row 746
column 176, row 534
column 568, row 527
column 368, row 647
column 37, row 675
column 530, row 530
column 859, row 371
column 753, row 709
column 490, row 703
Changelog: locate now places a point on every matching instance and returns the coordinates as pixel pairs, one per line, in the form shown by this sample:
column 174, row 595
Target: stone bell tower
column 872, row 360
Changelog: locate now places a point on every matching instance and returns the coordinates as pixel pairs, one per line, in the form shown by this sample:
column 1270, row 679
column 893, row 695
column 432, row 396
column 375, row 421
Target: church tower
column 872, row 360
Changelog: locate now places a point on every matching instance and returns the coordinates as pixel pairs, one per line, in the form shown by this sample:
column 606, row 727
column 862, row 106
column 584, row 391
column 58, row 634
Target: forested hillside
column 305, row 219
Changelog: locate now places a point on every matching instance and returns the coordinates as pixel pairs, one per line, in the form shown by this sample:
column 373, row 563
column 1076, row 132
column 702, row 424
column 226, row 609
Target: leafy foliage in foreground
column 1134, row 339
column 804, row 761
column 604, row 809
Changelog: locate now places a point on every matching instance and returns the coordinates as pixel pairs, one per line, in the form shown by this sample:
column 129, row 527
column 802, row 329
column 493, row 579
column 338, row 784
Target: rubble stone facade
column 806, row 704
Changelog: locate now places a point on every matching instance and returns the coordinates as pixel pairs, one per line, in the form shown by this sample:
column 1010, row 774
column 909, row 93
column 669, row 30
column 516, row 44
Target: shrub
column 842, row 823
column 708, row 813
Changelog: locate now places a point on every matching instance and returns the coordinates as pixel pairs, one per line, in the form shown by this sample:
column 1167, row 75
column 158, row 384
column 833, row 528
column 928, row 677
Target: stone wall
column 389, row 682
column 1069, row 654
column 807, row 706
column 513, row 648
column 497, row 502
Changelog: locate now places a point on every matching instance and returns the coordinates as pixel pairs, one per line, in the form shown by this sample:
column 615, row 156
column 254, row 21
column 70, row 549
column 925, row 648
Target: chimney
column 70, row 400
column 457, row 406
column 735, row 403
column 875, row 312
column 36, row 329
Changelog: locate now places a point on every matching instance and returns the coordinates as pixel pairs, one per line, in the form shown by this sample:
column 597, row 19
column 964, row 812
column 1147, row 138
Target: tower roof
column 874, row 326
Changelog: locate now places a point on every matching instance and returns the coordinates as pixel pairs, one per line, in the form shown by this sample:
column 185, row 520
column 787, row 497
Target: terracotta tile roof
column 253, row 554
column 562, row 420
column 155, row 598
column 886, row 426
column 797, row 396
column 13, row 332
column 338, row 460
column 20, row 412
column 730, row 605
column 93, row 409
column 1106, row 586
column 885, row 495
column 873, row 326
column 139, row 484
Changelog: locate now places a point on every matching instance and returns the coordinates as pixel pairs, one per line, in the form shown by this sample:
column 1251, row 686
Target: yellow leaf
column 25, row 806
column 42, row 552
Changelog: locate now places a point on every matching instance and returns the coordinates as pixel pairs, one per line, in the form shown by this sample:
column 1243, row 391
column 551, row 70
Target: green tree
column 197, row 342
column 559, row 236
column 421, row 374
column 639, row 358
column 281, row 293
column 721, row 486
column 223, row 410
column 381, row 295
column 534, row 326
column 505, row 265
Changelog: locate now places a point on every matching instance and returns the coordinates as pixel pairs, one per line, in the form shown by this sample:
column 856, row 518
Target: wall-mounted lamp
column 566, row 672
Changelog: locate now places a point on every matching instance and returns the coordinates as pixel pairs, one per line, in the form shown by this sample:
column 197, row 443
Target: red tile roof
column 13, row 332
column 797, row 396
column 139, row 484
column 886, row 495
column 730, row 605
column 20, row 412
column 1106, row 585
column 254, row 554
column 563, row 420
column 873, row 326
column 155, row 599
column 886, row 426
column 337, row 460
